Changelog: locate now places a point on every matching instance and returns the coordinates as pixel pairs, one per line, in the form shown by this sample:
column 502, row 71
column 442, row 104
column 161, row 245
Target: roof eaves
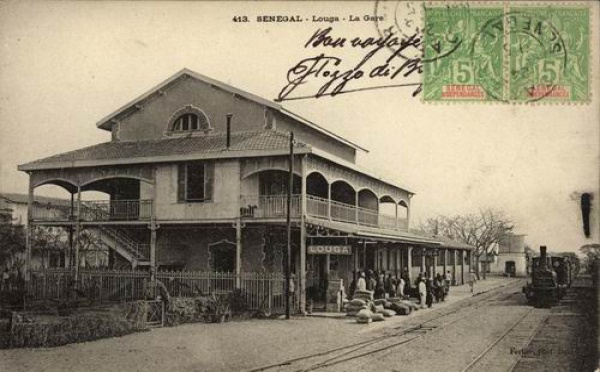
column 223, row 154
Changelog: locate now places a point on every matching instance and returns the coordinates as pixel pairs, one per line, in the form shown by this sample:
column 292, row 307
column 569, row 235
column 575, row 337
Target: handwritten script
column 388, row 59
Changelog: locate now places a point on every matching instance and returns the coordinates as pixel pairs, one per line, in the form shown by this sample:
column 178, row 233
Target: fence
column 258, row 290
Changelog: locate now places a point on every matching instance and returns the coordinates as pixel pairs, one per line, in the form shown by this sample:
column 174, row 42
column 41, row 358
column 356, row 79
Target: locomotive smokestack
column 543, row 255
column 229, row 130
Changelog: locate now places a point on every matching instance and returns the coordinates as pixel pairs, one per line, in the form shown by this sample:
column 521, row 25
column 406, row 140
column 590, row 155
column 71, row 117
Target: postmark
column 513, row 54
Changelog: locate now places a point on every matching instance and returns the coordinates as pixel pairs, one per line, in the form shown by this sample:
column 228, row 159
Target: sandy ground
column 239, row 345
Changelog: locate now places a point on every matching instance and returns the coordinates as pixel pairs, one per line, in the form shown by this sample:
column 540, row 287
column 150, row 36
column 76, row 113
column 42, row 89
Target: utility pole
column 288, row 258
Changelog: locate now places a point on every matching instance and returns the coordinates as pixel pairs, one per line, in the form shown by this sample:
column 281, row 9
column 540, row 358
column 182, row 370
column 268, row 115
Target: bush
column 78, row 328
column 186, row 310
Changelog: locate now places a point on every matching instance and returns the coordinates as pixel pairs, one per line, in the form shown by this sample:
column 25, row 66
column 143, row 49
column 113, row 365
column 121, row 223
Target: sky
column 66, row 65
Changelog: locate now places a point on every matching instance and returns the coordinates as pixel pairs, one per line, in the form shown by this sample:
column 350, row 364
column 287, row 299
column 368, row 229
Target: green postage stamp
column 506, row 53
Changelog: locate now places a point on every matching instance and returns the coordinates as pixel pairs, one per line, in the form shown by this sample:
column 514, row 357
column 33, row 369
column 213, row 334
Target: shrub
column 72, row 329
column 186, row 310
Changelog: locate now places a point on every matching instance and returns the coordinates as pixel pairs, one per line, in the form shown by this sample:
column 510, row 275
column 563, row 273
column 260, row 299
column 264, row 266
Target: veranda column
column 454, row 258
column 445, row 262
column 423, row 269
column 238, row 252
column 409, row 265
column 302, row 274
column 435, row 263
column 28, row 242
column 356, row 208
column 462, row 267
column 302, row 281
column 77, row 232
column 153, row 229
column 329, row 201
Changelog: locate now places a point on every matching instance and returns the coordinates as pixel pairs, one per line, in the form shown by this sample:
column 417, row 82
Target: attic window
column 188, row 119
column 186, row 122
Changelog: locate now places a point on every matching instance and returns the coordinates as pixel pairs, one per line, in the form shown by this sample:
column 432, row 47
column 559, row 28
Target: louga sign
column 329, row 249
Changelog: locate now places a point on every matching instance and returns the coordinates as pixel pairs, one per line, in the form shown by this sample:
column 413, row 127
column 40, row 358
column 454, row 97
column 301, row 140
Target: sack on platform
column 377, row 317
column 357, row 302
column 388, row 313
column 379, row 309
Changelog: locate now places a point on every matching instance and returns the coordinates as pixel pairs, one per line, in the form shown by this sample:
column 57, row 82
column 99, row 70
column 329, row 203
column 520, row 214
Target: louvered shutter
column 181, row 182
column 209, row 180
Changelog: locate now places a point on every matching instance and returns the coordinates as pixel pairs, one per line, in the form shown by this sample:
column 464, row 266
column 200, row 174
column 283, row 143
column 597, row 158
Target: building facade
column 196, row 177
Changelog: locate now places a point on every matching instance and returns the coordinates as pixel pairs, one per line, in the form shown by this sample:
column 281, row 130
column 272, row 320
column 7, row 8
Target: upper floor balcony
column 275, row 207
column 94, row 211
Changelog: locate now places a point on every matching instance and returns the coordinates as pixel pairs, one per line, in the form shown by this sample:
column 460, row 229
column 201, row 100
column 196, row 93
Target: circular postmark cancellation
column 533, row 55
column 402, row 19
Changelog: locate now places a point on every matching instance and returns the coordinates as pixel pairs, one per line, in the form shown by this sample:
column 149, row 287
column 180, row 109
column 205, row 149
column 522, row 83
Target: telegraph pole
column 288, row 260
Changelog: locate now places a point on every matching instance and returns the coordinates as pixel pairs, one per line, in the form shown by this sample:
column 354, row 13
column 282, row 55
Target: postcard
column 294, row 168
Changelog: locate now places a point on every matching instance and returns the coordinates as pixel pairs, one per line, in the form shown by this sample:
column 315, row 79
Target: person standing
column 371, row 282
column 380, row 286
column 448, row 280
column 429, row 291
column 400, row 287
column 422, row 292
column 472, row 280
column 361, row 284
column 390, row 286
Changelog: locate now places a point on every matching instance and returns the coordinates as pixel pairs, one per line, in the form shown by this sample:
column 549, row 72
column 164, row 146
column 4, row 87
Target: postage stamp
column 506, row 54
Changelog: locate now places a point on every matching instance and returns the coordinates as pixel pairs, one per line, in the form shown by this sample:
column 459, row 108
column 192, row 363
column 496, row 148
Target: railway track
column 495, row 355
column 395, row 337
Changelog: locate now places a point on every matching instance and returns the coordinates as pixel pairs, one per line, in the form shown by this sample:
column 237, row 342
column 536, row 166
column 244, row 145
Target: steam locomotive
column 550, row 279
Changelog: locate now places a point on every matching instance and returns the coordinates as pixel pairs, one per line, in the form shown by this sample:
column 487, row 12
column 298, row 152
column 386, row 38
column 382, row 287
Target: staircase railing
column 138, row 251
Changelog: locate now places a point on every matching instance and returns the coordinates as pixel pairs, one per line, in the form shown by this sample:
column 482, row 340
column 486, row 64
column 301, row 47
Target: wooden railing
column 275, row 206
column 269, row 206
column 258, row 290
column 95, row 211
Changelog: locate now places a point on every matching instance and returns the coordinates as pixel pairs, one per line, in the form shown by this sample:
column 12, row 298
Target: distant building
column 511, row 256
column 52, row 250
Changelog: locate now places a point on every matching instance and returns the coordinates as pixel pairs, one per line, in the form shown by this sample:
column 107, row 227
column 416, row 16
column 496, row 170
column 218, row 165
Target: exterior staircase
column 138, row 254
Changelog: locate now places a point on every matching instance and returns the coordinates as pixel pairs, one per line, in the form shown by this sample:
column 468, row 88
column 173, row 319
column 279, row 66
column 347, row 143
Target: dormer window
column 188, row 119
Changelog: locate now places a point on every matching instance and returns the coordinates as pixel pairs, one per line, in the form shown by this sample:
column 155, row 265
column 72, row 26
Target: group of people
column 379, row 284
column 431, row 288
column 426, row 288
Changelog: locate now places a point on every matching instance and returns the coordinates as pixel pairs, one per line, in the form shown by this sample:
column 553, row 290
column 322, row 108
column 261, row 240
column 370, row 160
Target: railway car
column 550, row 278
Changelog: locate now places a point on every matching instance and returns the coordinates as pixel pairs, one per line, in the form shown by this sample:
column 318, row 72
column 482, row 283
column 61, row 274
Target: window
column 195, row 181
column 189, row 119
column 186, row 122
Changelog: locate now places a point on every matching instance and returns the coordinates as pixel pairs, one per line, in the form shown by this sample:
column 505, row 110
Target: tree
column 590, row 252
column 12, row 242
column 483, row 230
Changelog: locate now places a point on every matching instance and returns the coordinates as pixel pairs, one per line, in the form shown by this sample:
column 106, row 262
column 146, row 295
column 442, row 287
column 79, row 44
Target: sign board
column 329, row 249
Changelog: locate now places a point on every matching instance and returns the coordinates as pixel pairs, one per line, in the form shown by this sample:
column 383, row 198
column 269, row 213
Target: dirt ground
column 232, row 346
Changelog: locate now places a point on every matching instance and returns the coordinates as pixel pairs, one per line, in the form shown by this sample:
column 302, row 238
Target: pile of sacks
column 367, row 310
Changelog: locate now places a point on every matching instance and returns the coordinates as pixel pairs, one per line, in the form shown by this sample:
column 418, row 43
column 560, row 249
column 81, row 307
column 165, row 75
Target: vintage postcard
column 298, row 186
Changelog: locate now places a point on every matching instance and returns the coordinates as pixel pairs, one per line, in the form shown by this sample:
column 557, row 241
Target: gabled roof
column 211, row 146
column 105, row 123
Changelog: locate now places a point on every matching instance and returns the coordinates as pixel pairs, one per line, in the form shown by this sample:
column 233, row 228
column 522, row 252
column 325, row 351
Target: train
column 550, row 279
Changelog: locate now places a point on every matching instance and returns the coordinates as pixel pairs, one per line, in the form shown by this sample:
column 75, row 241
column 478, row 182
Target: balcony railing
column 275, row 206
column 269, row 206
column 95, row 211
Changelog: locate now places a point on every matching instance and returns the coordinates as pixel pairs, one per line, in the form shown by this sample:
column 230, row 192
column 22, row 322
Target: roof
column 24, row 199
column 106, row 122
column 444, row 241
column 135, row 152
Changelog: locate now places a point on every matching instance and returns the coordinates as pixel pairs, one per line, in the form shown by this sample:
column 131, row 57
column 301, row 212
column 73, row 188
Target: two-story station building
column 185, row 190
